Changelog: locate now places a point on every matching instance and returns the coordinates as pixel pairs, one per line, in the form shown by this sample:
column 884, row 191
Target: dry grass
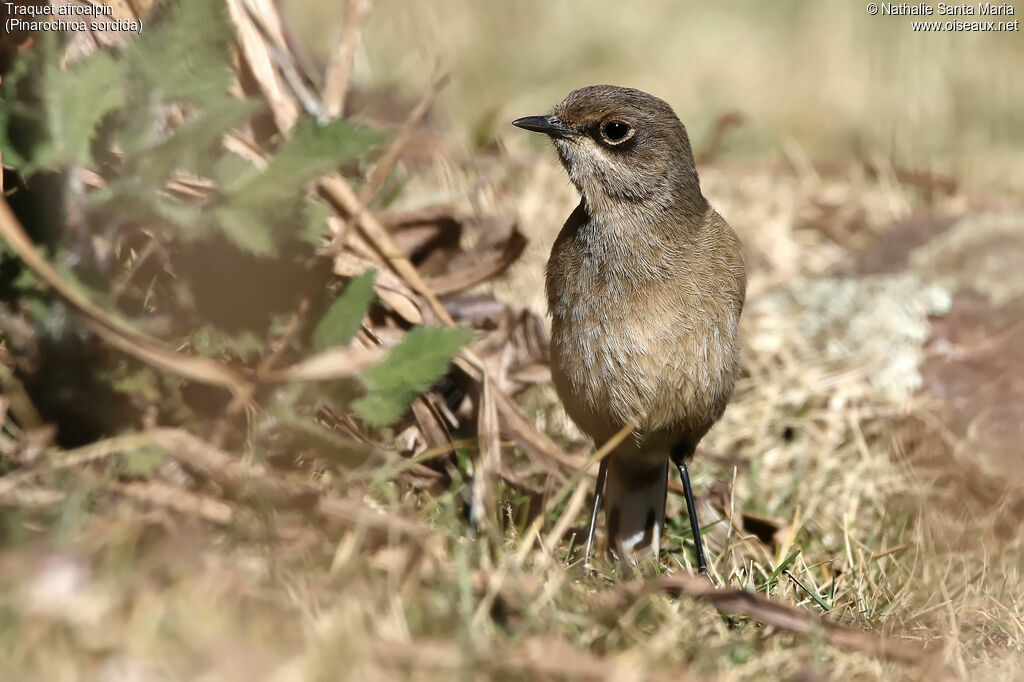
column 115, row 590
column 868, row 531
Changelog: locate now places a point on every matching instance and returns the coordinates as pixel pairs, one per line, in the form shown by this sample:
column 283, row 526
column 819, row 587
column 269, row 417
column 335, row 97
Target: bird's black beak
column 549, row 125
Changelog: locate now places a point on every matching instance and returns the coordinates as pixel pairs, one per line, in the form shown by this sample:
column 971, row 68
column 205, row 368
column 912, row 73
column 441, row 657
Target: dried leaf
column 334, row 363
column 478, row 266
column 339, row 69
column 391, row 290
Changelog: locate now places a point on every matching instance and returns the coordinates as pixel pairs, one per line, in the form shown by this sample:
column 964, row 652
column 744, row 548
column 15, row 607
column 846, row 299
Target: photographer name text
column 923, row 9
column 998, row 11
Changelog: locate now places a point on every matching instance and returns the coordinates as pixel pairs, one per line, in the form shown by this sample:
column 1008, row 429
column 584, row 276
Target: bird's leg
column 691, row 509
column 602, row 473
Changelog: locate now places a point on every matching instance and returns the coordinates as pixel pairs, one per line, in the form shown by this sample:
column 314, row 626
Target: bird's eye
column 615, row 131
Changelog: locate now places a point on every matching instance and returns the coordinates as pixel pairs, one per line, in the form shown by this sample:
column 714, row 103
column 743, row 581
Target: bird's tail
column 635, row 505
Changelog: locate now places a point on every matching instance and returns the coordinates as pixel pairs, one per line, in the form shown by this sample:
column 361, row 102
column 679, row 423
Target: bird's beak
column 549, row 125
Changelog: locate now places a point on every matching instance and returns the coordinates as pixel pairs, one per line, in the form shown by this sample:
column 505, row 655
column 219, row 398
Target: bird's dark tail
column 635, row 505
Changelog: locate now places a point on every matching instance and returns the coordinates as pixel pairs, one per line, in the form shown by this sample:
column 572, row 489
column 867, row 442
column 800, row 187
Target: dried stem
column 339, row 69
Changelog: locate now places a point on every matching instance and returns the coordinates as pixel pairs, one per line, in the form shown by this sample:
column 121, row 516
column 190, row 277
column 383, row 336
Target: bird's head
column 622, row 145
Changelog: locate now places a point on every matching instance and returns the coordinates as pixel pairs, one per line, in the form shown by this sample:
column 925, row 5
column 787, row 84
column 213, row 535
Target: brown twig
column 489, row 460
column 533, row 658
column 339, row 69
column 380, row 171
column 19, row 401
column 256, row 53
column 73, row 458
column 122, row 281
column 280, row 344
column 111, row 329
column 386, row 162
column 269, row 24
column 338, row 191
column 391, row 289
column 249, row 482
column 165, row 495
column 240, row 479
column 788, row 618
column 522, row 431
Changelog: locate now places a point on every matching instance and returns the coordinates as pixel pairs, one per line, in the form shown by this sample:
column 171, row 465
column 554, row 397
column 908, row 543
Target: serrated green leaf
column 76, row 100
column 410, row 368
column 311, row 151
column 315, row 225
column 132, row 199
column 232, row 171
column 183, row 55
column 186, row 217
column 342, row 320
column 194, row 146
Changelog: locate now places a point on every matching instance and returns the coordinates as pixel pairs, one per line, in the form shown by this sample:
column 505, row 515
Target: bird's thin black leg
column 602, row 473
column 691, row 509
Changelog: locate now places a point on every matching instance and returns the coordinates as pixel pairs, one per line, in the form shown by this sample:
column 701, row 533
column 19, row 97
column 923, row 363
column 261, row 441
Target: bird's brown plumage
column 645, row 287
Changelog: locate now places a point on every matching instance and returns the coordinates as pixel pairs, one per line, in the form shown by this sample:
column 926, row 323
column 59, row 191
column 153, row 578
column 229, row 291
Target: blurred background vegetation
column 826, row 77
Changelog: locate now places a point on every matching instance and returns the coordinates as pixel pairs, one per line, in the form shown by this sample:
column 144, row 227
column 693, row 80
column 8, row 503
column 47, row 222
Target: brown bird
column 645, row 287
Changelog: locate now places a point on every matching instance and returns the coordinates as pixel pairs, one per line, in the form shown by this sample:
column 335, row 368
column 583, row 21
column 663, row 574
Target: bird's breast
column 637, row 335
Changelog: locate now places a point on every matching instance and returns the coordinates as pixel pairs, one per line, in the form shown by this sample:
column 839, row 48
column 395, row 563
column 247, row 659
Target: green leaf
column 232, row 171
column 342, row 320
column 143, row 461
column 212, row 342
column 132, row 199
column 411, row 368
column 195, row 145
column 315, row 226
column 76, row 100
column 780, row 568
column 142, row 382
column 311, row 151
column 183, row 55
column 253, row 206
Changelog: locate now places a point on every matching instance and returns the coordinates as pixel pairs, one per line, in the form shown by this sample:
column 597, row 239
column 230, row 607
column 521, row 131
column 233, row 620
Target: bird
column 645, row 287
